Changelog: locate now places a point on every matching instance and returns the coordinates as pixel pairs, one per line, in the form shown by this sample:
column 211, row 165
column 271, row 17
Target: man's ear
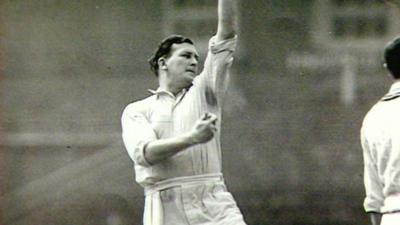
column 162, row 63
column 389, row 74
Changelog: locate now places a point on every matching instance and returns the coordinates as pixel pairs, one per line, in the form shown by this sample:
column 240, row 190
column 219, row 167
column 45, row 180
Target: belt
column 153, row 210
column 183, row 181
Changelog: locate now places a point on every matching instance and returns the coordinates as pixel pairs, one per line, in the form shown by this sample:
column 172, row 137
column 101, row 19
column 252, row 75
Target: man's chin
column 190, row 78
column 189, row 86
column 189, row 83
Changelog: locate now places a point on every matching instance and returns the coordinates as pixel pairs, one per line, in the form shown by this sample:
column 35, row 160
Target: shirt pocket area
column 161, row 124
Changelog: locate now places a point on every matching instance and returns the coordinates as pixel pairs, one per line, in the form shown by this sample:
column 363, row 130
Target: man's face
column 182, row 65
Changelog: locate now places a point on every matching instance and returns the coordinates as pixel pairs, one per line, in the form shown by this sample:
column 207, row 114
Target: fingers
column 210, row 117
column 205, row 128
column 212, row 125
column 213, row 128
column 210, row 120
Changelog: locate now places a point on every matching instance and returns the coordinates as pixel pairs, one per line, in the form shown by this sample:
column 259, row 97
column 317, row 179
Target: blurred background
column 305, row 74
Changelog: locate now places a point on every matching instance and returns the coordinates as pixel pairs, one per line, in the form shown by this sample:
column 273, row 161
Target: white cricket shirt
column 380, row 139
column 163, row 115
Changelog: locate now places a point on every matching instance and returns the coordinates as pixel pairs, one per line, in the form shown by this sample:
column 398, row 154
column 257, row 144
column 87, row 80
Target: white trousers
column 195, row 200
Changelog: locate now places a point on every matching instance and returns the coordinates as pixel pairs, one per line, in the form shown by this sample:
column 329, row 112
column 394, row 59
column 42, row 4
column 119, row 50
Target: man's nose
column 194, row 61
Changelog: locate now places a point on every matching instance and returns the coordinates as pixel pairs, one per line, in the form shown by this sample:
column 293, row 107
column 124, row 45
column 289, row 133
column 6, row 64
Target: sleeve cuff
column 221, row 46
column 140, row 158
column 372, row 211
column 371, row 207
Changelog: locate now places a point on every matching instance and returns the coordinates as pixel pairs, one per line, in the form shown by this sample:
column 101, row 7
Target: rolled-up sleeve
column 221, row 46
column 136, row 134
column 219, row 59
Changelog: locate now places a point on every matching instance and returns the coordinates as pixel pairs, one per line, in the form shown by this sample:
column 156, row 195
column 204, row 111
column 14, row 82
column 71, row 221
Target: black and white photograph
column 200, row 112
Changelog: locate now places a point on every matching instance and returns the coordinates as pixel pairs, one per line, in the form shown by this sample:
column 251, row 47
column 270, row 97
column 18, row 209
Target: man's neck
column 168, row 88
column 166, row 84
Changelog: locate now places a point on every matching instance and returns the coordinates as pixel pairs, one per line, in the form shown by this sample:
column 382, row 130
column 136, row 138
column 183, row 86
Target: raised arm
column 226, row 19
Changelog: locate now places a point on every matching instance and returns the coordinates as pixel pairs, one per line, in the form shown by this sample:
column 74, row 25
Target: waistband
column 183, row 181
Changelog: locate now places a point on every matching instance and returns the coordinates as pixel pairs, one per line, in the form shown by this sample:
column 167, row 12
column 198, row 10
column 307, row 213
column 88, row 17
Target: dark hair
column 164, row 49
column 392, row 57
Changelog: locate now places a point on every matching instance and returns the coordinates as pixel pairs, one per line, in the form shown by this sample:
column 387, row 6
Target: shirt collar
column 394, row 92
column 161, row 91
column 395, row 88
